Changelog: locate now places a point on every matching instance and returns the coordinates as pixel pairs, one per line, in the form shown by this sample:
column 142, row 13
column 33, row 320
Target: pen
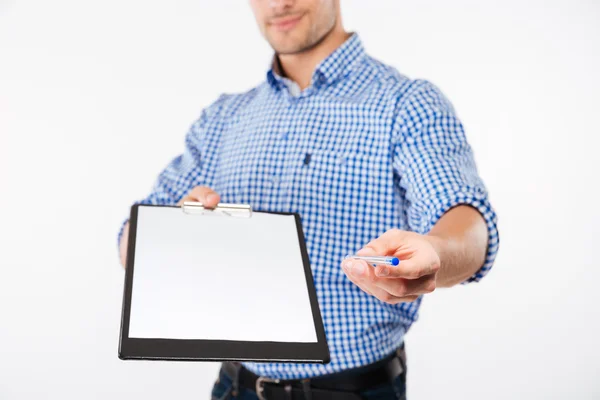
column 376, row 260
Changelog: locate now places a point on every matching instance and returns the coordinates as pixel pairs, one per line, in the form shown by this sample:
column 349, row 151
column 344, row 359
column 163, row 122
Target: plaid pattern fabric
column 362, row 150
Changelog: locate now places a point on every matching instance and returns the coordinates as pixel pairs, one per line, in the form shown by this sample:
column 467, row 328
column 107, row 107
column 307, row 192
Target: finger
column 407, row 287
column 364, row 276
column 384, row 245
column 363, row 282
column 205, row 195
column 413, row 268
column 361, row 274
column 390, row 298
column 184, row 199
column 357, row 270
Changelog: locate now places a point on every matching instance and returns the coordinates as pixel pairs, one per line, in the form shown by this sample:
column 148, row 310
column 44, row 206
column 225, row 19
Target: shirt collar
column 335, row 66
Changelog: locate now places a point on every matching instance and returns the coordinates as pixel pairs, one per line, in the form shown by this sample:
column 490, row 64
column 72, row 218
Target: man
column 374, row 163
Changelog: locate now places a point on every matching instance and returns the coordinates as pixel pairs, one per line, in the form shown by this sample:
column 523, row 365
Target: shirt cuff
column 475, row 198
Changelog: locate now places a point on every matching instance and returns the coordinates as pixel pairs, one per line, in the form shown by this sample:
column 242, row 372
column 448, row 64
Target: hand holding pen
column 397, row 267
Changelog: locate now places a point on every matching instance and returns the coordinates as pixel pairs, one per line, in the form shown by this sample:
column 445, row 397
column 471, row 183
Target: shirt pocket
column 342, row 182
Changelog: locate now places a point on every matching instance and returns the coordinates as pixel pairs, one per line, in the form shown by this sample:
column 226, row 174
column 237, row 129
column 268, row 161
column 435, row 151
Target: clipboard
column 178, row 282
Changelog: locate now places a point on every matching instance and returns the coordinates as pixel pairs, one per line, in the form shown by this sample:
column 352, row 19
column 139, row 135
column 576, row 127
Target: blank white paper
column 219, row 277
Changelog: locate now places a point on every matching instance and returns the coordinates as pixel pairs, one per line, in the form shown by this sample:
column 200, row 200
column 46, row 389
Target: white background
column 96, row 97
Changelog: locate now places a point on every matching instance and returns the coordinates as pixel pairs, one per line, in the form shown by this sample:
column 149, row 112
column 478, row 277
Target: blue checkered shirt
column 362, row 150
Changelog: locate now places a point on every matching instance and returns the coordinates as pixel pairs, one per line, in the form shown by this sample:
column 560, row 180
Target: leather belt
column 343, row 385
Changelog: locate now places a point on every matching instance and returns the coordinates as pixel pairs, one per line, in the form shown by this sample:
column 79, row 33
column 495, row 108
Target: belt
column 343, row 385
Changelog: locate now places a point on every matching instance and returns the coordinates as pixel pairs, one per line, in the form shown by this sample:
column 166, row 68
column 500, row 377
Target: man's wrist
column 447, row 249
column 439, row 244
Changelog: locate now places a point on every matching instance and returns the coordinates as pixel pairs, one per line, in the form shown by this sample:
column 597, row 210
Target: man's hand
column 414, row 276
column 208, row 197
column 205, row 195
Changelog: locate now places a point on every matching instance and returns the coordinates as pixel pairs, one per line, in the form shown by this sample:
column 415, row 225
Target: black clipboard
column 161, row 348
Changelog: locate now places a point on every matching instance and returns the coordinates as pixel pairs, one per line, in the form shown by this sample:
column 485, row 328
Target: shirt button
column 275, row 179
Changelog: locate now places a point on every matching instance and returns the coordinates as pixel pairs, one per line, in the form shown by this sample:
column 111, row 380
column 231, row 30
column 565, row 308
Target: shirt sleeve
column 183, row 172
column 436, row 166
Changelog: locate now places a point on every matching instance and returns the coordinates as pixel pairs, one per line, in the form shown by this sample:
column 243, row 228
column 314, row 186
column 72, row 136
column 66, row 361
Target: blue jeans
column 222, row 390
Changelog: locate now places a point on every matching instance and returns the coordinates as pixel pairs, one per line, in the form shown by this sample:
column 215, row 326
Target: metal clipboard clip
column 226, row 209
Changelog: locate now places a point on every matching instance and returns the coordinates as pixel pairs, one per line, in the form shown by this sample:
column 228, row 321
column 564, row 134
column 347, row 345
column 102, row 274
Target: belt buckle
column 259, row 385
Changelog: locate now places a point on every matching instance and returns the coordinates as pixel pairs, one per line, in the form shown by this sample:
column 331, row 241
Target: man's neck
column 299, row 67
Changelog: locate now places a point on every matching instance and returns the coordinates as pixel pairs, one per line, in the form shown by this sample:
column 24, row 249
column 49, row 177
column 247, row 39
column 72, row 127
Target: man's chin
column 286, row 51
column 286, row 48
column 301, row 43
column 290, row 48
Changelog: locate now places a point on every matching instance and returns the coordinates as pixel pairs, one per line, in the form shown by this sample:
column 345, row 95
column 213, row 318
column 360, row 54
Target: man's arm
column 460, row 239
column 451, row 235
column 447, row 199
column 123, row 244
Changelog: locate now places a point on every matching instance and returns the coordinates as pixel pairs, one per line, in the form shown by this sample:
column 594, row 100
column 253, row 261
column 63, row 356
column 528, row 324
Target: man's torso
column 327, row 155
